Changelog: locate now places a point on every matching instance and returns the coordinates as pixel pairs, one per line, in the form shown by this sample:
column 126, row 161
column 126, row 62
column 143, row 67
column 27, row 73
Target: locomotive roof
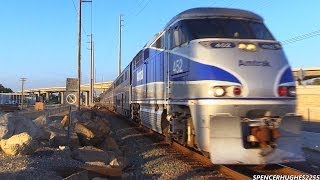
column 215, row 12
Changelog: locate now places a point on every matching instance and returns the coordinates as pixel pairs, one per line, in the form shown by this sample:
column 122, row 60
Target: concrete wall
column 308, row 102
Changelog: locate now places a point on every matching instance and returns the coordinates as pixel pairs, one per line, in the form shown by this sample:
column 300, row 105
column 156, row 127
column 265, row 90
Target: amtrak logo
column 254, row 63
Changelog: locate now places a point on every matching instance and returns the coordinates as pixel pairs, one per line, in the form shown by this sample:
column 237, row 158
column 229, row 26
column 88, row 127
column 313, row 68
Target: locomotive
column 216, row 80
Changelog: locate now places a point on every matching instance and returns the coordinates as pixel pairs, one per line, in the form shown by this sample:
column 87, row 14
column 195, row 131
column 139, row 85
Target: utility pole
column 79, row 54
column 119, row 58
column 91, row 94
column 22, row 91
column 92, row 72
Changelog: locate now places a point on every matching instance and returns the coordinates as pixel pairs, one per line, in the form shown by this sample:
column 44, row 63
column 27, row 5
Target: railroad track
column 241, row 171
column 232, row 171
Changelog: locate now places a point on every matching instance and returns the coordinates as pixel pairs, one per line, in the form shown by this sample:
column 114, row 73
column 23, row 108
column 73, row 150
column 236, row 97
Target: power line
column 215, row 2
column 131, row 10
column 146, row 4
column 265, row 4
column 230, row 4
column 301, row 37
column 77, row 11
column 75, row 7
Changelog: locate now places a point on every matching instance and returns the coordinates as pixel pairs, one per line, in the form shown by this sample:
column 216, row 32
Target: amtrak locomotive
column 216, row 80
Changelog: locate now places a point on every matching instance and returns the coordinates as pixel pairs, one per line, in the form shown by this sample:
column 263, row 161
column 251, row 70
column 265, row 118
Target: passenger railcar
column 216, row 80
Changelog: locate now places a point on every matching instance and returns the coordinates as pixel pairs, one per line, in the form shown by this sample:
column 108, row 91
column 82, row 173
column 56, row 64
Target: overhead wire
column 76, row 9
column 145, row 5
column 265, row 4
column 301, row 37
column 131, row 10
column 231, row 3
column 214, row 3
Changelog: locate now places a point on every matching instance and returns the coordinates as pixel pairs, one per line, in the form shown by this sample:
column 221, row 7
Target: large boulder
column 61, row 139
column 109, row 144
column 85, row 134
column 58, row 139
column 12, row 124
column 93, row 154
column 86, row 115
column 41, row 121
column 7, row 125
column 19, row 144
column 92, row 132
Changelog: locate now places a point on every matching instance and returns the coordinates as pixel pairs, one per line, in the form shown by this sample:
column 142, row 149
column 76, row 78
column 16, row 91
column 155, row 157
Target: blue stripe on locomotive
column 287, row 76
column 194, row 71
column 188, row 70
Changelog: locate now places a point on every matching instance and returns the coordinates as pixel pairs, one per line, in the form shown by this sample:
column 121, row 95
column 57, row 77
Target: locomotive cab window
column 177, row 37
column 158, row 43
column 226, row 28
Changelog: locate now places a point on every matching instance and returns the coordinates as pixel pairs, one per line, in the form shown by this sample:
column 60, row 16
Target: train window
column 226, row 28
column 146, row 54
column 137, row 61
column 261, row 32
column 158, row 43
column 237, row 29
column 183, row 38
column 177, row 37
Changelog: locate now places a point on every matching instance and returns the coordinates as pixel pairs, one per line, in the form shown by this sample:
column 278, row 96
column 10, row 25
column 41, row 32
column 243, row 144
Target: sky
column 39, row 38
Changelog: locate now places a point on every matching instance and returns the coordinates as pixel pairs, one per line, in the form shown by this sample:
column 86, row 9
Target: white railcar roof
column 214, row 12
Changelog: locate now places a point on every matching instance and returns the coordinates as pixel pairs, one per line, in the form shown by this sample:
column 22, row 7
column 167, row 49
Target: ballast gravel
column 150, row 158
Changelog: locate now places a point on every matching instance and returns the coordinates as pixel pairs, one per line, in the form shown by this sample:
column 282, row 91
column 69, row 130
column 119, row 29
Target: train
column 215, row 80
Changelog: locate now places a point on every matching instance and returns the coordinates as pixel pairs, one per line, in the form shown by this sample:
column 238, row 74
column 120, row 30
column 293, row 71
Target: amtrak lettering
column 254, row 63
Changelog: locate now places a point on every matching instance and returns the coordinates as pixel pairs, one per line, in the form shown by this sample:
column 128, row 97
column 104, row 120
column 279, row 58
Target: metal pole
column 22, row 91
column 91, row 72
column 119, row 55
column 91, row 62
column 79, row 55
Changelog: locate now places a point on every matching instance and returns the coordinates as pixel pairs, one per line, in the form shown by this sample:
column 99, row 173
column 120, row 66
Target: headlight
column 247, row 46
column 251, row 47
column 219, row 91
column 242, row 46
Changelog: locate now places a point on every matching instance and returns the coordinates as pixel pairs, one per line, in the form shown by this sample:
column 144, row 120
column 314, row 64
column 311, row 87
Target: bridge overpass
column 301, row 74
column 85, row 88
column 99, row 86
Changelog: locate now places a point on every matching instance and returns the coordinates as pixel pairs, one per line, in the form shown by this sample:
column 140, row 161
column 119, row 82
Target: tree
column 4, row 89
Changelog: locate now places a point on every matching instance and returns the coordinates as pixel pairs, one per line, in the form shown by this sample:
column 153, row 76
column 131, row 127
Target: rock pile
column 97, row 145
column 19, row 144
column 18, row 135
column 90, row 139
